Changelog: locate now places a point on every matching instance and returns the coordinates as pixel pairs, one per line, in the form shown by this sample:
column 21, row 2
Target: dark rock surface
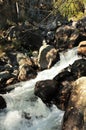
column 75, row 113
column 2, row 103
column 47, row 57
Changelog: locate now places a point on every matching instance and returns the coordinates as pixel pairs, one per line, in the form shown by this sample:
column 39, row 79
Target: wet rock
column 26, row 67
column 4, row 75
column 53, row 94
column 46, row 90
column 2, row 103
column 26, row 72
column 23, row 59
column 74, row 39
column 62, row 36
column 72, row 72
column 47, row 57
column 34, row 58
column 64, row 75
column 78, row 68
column 82, row 48
column 67, row 37
column 7, row 70
column 10, row 87
column 6, row 78
column 10, row 81
column 74, row 117
column 55, row 91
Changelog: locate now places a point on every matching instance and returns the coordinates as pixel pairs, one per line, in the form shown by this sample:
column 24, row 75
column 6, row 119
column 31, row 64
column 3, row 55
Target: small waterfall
column 25, row 111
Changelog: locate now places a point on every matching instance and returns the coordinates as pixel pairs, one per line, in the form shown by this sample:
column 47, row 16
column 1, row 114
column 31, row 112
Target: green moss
column 69, row 8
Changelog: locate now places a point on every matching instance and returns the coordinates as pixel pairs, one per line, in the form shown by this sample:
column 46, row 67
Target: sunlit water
column 25, row 111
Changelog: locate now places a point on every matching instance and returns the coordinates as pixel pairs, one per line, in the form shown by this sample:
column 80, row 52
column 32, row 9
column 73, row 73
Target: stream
column 25, row 111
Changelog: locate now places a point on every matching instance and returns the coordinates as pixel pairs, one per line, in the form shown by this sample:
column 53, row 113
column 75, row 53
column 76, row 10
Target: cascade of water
column 22, row 100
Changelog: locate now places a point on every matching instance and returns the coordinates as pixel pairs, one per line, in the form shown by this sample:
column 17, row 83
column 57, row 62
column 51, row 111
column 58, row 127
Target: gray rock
column 47, row 55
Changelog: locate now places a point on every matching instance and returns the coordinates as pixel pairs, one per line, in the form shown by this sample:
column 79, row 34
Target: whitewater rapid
column 25, row 111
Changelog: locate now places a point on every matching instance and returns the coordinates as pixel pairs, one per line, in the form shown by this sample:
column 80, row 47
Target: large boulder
column 78, row 68
column 75, row 114
column 67, row 37
column 26, row 67
column 56, row 91
column 62, row 36
column 26, row 72
column 47, row 57
column 46, row 90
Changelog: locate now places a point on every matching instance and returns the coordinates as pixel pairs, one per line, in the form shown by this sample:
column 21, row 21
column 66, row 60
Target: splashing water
column 25, row 111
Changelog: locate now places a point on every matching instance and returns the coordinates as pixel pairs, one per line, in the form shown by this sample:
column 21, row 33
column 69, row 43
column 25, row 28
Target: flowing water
column 25, row 111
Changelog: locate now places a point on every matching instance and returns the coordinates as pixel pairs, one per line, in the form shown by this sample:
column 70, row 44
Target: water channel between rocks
column 25, row 111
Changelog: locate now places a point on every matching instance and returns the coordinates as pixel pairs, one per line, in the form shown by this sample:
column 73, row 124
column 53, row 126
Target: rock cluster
column 67, row 89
